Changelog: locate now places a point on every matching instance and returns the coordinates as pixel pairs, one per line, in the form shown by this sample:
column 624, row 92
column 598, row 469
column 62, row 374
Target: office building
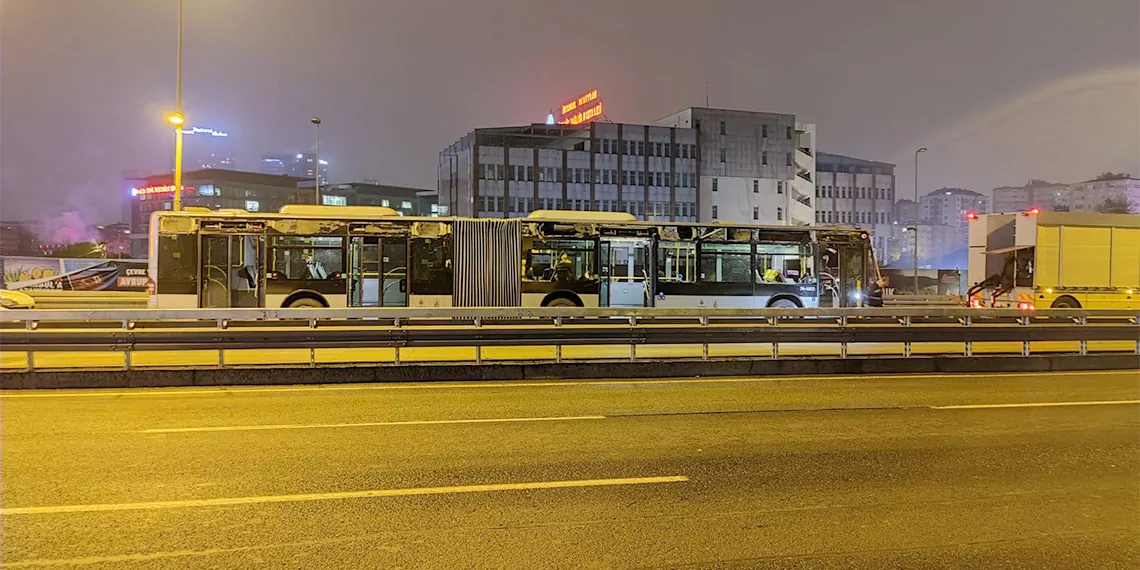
column 408, row 201
column 1034, row 194
column 856, row 192
column 1104, row 193
column 214, row 189
column 950, row 206
column 298, row 165
column 753, row 167
column 205, row 147
column 649, row 171
column 698, row 164
column 20, row 237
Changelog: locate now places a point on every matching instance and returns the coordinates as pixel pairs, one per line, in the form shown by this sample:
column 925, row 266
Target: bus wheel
column 305, row 303
column 1065, row 302
column 561, row 302
column 783, row 303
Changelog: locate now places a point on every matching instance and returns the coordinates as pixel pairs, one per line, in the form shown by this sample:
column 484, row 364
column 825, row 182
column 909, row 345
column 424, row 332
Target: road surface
column 1016, row 470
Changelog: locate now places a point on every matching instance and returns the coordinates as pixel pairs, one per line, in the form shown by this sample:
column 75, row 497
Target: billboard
column 67, row 274
column 583, row 109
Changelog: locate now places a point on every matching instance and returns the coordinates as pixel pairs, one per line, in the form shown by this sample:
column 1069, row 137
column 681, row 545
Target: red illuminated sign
column 161, row 189
column 580, row 110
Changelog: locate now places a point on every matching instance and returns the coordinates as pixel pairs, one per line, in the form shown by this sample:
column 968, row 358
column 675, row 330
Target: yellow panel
column 1126, row 257
column 1085, row 256
column 1047, row 253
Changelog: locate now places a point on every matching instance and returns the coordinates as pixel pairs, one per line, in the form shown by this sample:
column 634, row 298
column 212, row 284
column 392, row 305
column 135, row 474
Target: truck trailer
column 1057, row 260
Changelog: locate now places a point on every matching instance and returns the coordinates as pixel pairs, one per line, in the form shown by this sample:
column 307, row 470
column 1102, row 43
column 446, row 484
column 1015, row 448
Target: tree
column 1115, row 205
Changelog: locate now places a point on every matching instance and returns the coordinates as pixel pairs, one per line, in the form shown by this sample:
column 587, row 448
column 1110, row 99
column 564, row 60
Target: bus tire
column 1065, row 302
column 562, row 300
column 304, row 301
column 784, row 303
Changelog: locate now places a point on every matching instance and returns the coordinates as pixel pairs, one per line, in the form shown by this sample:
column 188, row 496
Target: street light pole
column 917, row 218
column 317, row 162
column 177, row 120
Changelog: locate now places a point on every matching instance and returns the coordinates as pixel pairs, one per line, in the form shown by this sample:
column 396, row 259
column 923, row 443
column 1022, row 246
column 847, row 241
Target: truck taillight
column 1026, row 306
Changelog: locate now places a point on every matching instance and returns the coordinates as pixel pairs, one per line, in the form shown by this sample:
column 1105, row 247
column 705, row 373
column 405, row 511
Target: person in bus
column 875, row 293
column 564, row 269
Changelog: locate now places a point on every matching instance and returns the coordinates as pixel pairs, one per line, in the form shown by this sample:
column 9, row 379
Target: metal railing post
column 906, row 343
column 843, row 341
column 396, row 348
column 478, row 347
column 1084, row 342
column 704, row 340
column 968, row 321
column 772, row 322
column 127, row 359
column 558, row 347
column 1024, row 321
column 31, row 361
column 632, row 339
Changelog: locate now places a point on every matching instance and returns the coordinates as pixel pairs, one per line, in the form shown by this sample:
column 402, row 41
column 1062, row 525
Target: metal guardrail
column 133, row 330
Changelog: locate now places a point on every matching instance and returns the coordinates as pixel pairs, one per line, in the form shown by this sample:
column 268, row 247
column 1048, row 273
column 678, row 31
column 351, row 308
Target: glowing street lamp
column 177, row 120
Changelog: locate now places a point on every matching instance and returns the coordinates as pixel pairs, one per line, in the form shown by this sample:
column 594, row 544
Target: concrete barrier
column 563, row 371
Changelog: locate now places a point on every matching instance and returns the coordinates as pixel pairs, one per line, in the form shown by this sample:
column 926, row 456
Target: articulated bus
column 330, row 256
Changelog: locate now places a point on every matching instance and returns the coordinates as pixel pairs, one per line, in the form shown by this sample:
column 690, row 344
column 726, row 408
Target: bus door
column 231, row 275
column 378, row 271
column 843, row 274
column 624, row 278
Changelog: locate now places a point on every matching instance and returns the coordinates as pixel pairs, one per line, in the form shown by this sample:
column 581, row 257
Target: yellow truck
column 1042, row 260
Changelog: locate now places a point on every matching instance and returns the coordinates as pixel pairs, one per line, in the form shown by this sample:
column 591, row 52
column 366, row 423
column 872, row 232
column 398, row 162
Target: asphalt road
column 864, row 472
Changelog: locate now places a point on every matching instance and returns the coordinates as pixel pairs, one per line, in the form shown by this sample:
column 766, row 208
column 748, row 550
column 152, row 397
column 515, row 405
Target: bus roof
column 348, row 213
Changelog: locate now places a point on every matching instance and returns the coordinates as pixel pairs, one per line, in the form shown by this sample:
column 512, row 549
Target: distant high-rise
column 207, row 148
column 300, row 165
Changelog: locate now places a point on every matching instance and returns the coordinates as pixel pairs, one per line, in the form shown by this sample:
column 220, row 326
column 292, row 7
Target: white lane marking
column 230, row 501
column 475, row 384
column 371, row 424
column 1037, row 405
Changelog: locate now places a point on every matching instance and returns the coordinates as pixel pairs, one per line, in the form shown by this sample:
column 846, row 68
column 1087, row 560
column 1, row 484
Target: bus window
column 781, row 262
column 676, row 262
column 307, row 257
column 431, row 266
column 561, row 260
column 177, row 264
column 726, row 263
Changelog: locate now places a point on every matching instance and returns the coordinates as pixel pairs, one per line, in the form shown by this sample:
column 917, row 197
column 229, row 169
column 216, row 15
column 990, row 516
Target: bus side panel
column 428, row 301
column 1048, row 256
column 713, row 301
column 1126, row 258
column 1085, row 256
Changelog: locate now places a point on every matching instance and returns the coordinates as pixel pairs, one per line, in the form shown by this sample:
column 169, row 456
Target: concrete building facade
column 698, row 164
column 1091, row 195
column 949, row 206
column 753, row 167
column 1034, row 194
column 648, row 171
column 856, row 192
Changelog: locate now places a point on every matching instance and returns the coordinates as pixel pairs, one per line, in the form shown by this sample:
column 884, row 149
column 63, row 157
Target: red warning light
column 1034, row 211
column 971, row 216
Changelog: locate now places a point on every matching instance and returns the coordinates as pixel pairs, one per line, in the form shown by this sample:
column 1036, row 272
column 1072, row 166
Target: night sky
column 999, row 90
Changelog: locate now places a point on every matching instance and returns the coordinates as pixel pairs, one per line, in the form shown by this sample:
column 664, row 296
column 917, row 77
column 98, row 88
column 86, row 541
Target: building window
column 764, row 131
column 714, row 212
column 641, row 178
column 252, row 206
column 779, row 186
column 640, row 148
column 789, row 133
column 788, row 159
column 715, row 184
column 723, row 155
column 605, row 177
column 722, row 131
column 755, row 213
column 779, row 214
column 667, row 147
column 755, row 186
column 657, row 178
column 684, row 151
column 530, row 174
column 764, row 157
